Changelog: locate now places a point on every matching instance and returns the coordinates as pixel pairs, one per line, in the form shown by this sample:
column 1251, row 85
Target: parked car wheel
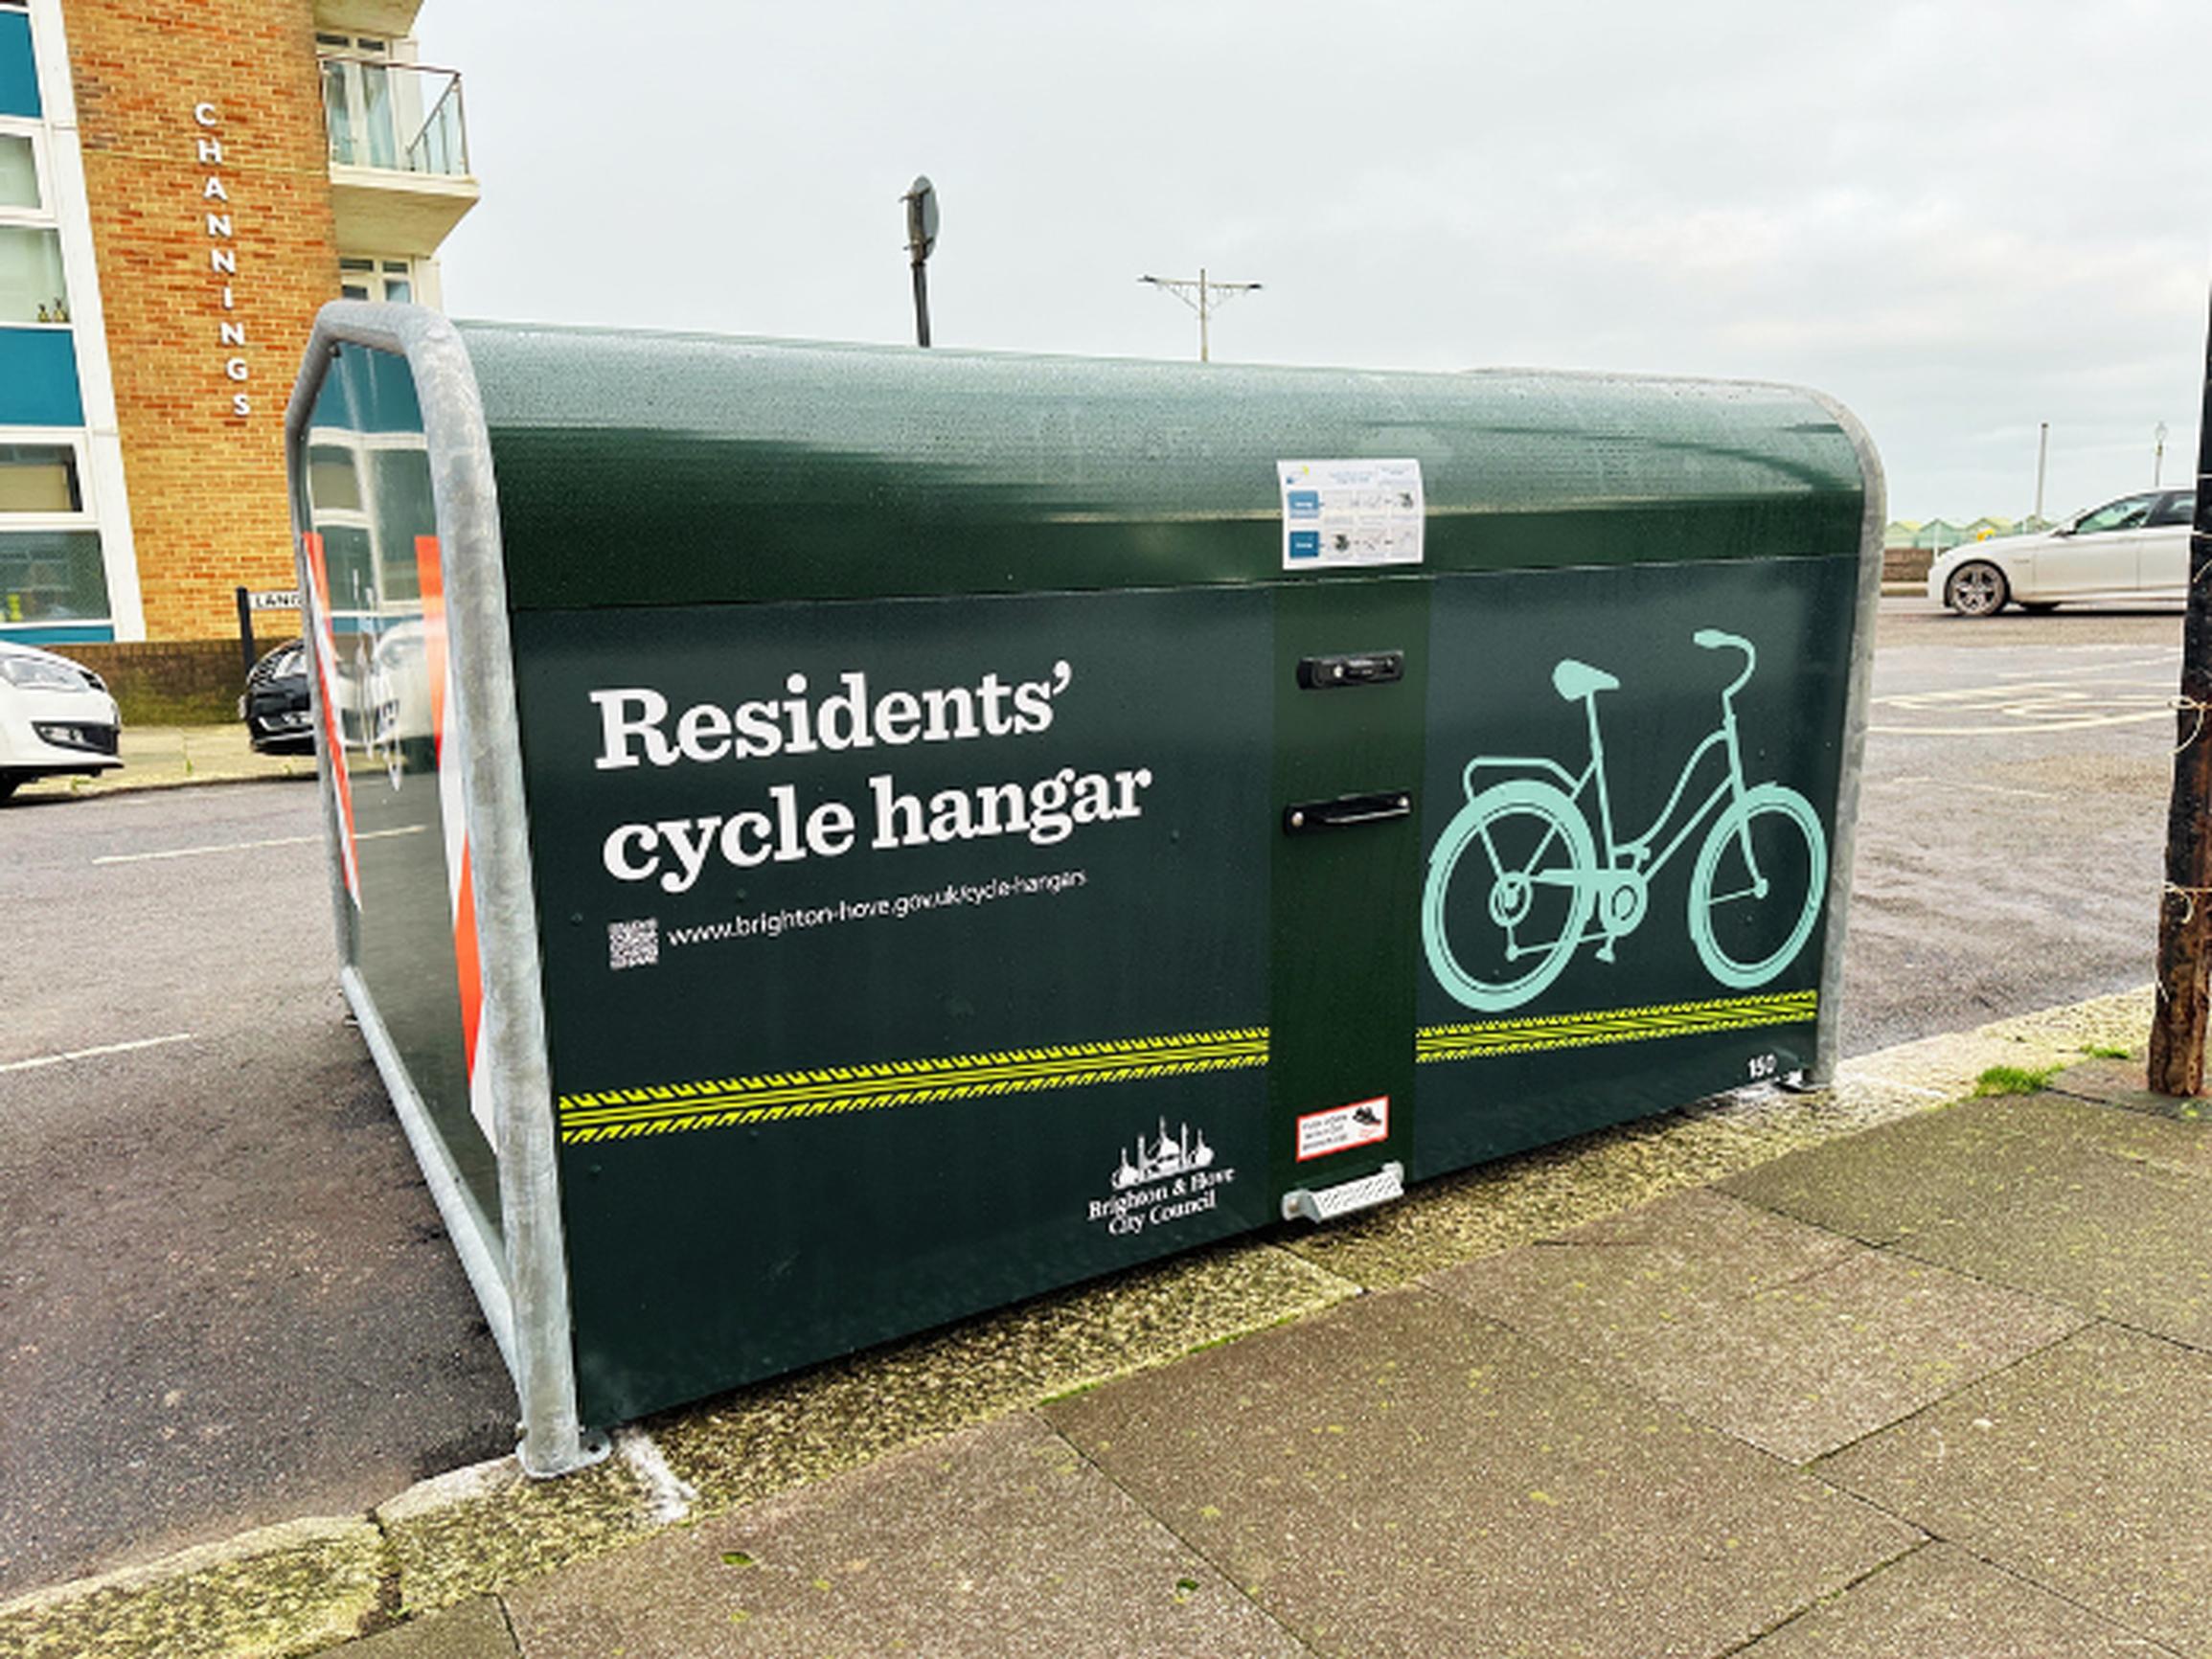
column 1978, row 589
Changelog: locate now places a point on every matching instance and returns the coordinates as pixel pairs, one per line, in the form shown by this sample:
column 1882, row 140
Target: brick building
column 182, row 183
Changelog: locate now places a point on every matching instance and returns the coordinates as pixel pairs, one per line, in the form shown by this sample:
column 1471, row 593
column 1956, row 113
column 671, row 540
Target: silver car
column 2135, row 548
column 56, row 717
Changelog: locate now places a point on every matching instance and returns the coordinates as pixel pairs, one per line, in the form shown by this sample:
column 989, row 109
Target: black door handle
column 1350, row 668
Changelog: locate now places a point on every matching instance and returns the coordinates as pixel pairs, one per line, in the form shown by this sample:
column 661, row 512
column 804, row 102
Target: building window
column 19, row 173
column 357, row 99
column 332, row 485
column 39, row 478
column 389, row 280
column 31, row 289
column 52, row 576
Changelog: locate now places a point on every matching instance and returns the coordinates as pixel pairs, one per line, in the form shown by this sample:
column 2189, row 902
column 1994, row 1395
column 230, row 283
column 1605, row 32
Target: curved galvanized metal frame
column 1828, row 1038
column 518, row 1267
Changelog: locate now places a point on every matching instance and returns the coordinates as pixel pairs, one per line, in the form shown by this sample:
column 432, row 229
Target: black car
column 275, row 707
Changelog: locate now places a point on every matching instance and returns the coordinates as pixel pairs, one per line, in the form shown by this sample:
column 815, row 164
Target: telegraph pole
column 1203, row 296
column 2178, row 1025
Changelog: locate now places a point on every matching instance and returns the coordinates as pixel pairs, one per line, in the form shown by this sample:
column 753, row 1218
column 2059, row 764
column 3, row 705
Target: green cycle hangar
column 827, row 839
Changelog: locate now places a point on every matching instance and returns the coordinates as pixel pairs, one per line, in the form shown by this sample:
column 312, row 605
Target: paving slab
column 2103, row 1209
column 1783, row 1334
column 2086, row 1469
column 1941, row 1603
column 2124, row 1084
column 473, row 1630
column 997, row 1541
column 1396, row 1476
column 755, row 1441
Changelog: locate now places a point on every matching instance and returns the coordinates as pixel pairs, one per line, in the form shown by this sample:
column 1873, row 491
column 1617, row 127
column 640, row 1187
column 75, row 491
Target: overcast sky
column 1961, row 217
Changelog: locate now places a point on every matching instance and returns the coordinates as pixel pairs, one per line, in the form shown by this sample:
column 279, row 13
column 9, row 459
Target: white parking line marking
column 2147, row 665
column 195, row 852
column 2038, row 705
column 1951, row 783
column 249, row 846
column 182, row 1037
column 2006, row 789
column 2080, row 723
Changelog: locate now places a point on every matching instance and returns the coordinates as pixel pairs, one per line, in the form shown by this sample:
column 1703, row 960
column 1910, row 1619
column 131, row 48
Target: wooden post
column 2177, row 1026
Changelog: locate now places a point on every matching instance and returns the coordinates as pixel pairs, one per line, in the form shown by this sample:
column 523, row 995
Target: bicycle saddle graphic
column 1532, row 866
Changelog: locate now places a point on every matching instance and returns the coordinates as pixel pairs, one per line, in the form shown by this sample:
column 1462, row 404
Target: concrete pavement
column 1863, row 1372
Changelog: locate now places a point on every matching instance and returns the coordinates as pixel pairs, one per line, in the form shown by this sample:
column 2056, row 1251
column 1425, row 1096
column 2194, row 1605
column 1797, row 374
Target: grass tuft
column 2014, row 1081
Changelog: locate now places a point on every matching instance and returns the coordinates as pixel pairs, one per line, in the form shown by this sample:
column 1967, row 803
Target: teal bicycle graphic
column 1522, row 876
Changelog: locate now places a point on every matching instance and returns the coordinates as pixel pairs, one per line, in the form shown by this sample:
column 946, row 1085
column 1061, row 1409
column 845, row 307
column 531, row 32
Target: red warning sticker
column 1340, row 1129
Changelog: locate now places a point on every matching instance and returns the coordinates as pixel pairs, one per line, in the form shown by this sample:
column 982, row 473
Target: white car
column 54, row 718
column 2135, row 548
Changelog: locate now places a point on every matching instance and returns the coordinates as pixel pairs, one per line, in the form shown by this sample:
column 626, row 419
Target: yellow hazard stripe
column 1482, row 1039
column 618, row 1114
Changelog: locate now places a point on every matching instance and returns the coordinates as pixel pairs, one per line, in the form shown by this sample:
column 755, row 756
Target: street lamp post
column 921, row 199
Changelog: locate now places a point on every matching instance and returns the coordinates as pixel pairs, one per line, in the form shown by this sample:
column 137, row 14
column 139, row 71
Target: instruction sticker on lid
column 1341, row 514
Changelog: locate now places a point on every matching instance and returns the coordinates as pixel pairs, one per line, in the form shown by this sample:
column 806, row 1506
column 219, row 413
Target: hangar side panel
column 1709, row 976
column 372, row 560
column 903, row 959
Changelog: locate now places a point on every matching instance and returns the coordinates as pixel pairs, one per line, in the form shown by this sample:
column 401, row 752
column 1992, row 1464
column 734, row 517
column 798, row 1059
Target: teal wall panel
column 39, row 376
column 18, row 68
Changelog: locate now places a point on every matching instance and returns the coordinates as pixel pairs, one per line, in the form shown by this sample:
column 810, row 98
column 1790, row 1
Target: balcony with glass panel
column 400, row 178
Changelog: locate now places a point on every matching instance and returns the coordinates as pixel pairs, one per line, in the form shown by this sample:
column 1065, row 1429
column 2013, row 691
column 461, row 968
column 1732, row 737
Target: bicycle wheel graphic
column 1748, row 928
column 1501, row 932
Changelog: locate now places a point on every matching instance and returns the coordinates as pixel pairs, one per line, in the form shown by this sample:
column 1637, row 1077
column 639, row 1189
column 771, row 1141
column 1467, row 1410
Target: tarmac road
column 2013, row 821
column 225, row 1298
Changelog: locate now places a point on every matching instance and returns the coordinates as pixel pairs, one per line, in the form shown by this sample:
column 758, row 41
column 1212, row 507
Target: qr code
column 633, row 943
